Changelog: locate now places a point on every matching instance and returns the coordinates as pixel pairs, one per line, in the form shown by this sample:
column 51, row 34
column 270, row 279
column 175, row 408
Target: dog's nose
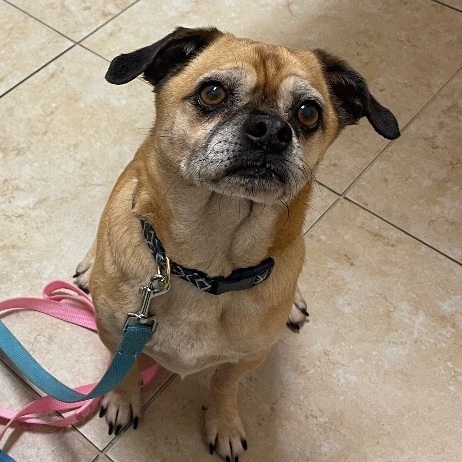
column 268, row 131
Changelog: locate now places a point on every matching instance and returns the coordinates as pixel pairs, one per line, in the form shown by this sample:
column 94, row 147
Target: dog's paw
column 224, row 433
column 120, row 410
column 83, row 270
column 298, row 314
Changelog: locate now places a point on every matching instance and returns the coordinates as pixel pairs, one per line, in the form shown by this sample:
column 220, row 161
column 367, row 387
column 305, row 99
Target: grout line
column 71, row 429
column 384, row 220
column 148, row 403
column 40, row 21
column 74, row 42
column 108, row 21
column 448, row 6
column 343, row 195
column 325, row 212
column 92, row 51
column 139, row 78
column 156, row 395
column 62, row 33
column 37, row 70
column 407, row 233
column 404, row 129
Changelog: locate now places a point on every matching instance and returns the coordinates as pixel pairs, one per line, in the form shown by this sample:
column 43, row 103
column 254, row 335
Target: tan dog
column 223, row 178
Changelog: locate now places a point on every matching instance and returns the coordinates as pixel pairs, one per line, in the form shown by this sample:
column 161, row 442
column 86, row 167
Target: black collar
column 239, row 279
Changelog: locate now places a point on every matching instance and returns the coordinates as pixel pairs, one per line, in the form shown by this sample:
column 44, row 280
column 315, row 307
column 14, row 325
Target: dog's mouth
column 255, row 181
column 257, row 173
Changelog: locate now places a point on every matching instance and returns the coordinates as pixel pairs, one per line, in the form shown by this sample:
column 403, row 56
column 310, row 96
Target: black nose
column 269, row 131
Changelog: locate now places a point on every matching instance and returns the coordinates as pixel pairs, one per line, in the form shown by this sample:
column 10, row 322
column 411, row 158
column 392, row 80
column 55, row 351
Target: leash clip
column 159, row 284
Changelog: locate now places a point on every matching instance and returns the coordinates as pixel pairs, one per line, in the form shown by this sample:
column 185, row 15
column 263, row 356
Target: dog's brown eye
column 212, row 94
column 308, row 114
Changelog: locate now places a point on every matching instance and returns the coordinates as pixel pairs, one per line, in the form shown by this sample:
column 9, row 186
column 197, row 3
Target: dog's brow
column 299, row 88
column 229, row 75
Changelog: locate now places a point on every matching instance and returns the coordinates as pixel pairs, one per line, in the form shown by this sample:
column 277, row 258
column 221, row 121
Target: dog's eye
column 212, row 94
column 308, row 114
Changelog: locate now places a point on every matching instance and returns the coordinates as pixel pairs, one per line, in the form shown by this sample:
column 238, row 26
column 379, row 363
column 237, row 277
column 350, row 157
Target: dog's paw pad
column 298, row 316
column 225, row 435
column 120, row 411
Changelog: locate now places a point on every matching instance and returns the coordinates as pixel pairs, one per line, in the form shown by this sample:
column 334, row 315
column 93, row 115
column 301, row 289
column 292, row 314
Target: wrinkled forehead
column 271, row 72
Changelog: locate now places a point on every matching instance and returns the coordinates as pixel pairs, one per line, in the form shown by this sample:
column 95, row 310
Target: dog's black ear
column 163, row 58
column 352, row 98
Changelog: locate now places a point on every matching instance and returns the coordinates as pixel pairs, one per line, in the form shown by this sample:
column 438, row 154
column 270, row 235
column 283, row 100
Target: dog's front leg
column 223, row 427
column 122, row 405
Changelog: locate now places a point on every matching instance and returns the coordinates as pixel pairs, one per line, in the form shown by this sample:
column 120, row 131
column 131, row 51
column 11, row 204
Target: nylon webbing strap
column 129, row 349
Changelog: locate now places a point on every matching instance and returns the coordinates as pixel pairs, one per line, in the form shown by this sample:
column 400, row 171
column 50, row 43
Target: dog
column 216, row 195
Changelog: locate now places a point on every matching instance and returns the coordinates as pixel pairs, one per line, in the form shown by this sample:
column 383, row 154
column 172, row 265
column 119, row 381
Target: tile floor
column 377, row 375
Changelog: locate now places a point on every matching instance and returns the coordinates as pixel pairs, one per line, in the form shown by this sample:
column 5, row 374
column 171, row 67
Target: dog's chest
column 196, row 330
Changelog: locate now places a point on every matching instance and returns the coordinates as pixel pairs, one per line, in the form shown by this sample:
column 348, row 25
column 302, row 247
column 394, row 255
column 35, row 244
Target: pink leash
column 67, row 302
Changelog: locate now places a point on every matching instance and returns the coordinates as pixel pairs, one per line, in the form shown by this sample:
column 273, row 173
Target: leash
column 68, row 303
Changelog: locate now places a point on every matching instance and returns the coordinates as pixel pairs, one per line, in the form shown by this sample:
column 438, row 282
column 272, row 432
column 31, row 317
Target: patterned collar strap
column 239, row 279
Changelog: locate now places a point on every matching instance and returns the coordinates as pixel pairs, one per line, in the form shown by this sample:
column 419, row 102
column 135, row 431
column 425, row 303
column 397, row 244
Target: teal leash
column 129, row 349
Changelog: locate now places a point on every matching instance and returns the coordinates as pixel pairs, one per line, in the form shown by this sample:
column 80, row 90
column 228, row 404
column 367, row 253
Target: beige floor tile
column 417, row 183
column 75, row 19
column 26, row 46
column 387, row 41
column 382, row 363
column 60, row 159
column 40, row 446
column 376, row 376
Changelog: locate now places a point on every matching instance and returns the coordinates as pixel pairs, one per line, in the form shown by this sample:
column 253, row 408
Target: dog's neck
column 211, row 232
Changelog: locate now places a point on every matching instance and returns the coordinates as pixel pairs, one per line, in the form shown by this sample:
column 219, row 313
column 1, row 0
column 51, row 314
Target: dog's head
column 244, row 118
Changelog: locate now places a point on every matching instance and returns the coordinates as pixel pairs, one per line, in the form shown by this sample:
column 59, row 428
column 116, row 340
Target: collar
column 239, row 279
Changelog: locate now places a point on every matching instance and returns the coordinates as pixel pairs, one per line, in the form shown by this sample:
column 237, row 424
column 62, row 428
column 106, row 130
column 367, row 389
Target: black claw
column 293, row 327
column 244, row 444
column 211, row 448
column 76, row 275
column 303, row 310
column 111, row 428
column 135, row 423
column 102, row 412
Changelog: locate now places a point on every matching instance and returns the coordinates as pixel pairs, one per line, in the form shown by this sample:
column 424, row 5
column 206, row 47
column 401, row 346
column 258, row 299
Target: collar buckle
column 244, row 278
